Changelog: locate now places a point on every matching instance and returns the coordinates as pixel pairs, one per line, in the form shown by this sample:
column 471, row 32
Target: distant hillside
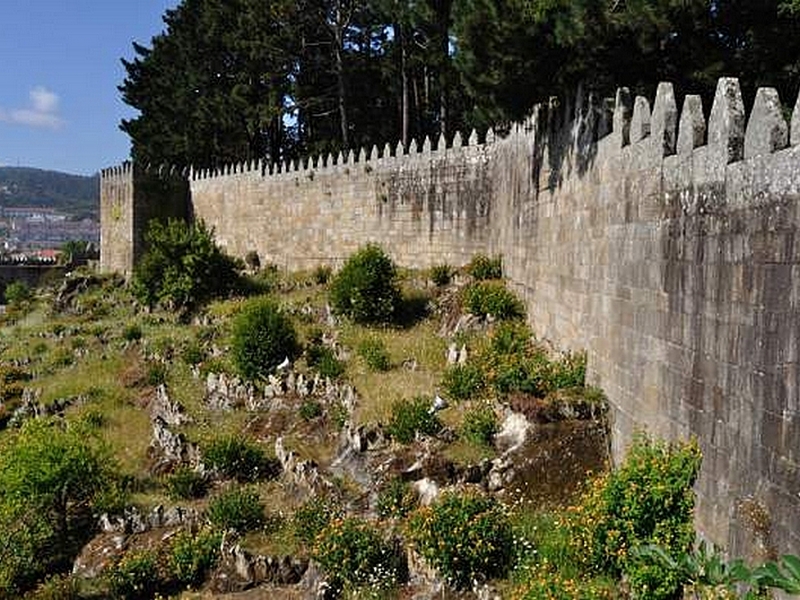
column 74, row 194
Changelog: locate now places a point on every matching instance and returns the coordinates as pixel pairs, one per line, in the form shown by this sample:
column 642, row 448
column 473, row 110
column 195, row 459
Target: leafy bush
column 56, row 587
column 132, row 332
column 186, row 484
column 441, row 275
column 182, row 267
column 480, row 425
column 313, row 517
column 355, row 554
column 366, row 290
column 51, row 476
column 310, row 409
column 462, row 382
column 410, row 417
column 135, row 576
column 261, row 338
column 322, row 274
column 192, row 353
column 485, row 298
column 396, row 499
column 192, row 556
column 324, row 360
column 373, row 352
column 647, row 500
column 481, row 267
column 240, row 459
column 17, row 293
column 466, row 537
column 237, row 508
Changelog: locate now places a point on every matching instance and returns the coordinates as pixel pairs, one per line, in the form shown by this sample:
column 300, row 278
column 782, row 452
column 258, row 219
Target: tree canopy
column 235, row 80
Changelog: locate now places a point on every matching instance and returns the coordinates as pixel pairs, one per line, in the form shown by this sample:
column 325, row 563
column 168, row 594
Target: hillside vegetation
column 266, row 441
column 72, row 194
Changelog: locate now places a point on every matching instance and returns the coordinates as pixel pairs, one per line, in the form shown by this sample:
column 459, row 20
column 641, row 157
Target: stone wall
column 663, row 244
column 424, row 207
column 130, row 197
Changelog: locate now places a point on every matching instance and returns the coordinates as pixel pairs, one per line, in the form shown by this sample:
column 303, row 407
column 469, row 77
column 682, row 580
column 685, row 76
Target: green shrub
column 322, row 274
column 410, row 417
column 192, row 353
column 480, row 425
column 186, row 484
column 354, row 553
column 155, row 374
column 310, row 409
column 441, row 275
column 135, row 576
column 313, row 517
column 324, row 360
column 461, row 382
column 240, row 459
column 466, row 537
column 396, row 499
column 262, row 336
column 237, row 508
column 481, row 267
column 569, row 371
column 183, row 267
column 366, row 290
column 132, row 332
column 484, row 298
column 648, row 500
column 17, row 293
column 373, row 352
column 56, row 587
column 192, row 556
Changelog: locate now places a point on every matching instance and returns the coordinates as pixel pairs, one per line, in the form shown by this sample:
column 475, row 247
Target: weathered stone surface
column 767, row 131
column 692, row 128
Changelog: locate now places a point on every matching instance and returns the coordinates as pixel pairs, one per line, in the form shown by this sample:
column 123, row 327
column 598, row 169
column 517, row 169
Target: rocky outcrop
column 240, row 569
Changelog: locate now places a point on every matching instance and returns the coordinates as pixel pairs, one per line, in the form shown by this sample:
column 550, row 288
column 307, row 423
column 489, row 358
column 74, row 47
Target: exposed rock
column 303, row 473
column 224, row 392
column 513, row 433
column 240, row 569
column 132, row 521
column 427, row 491
column 169, row 449
column 167, row 409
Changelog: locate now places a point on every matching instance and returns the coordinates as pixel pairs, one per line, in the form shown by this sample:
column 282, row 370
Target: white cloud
column 41, row 112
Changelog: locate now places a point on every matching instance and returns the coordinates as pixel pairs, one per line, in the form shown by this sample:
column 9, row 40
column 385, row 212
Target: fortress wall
column 679, row 275
column 663, row 243
column 425, row 207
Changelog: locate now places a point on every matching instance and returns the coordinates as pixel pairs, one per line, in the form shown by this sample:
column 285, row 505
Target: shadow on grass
column 414, row 308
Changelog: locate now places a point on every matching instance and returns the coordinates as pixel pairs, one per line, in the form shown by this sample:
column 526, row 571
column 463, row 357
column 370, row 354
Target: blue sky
column 59, row 71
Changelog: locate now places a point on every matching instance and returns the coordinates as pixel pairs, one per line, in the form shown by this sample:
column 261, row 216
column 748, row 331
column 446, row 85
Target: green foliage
column 647, row 500
column 262, row 336
column 485, row 298
column 464, row 536
column 50, row 476
column 412, row 417
column 552, row 584
column 17, row 293
column 480, row 425
column 192, row 556
column 322, row 274
column 236, row 508
column 186, row 484
column 132, row 332
column 481, row 267
column 354, row 552
column 57, row 587
column 365, row 289
column 135, row 576
column 312, row 517
column 396, row 499
column 310, row 409
column 441, row 275
column 374, row 353
column 182, row 267
column 462, row 382
column 324, row 360
column 239, row 458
